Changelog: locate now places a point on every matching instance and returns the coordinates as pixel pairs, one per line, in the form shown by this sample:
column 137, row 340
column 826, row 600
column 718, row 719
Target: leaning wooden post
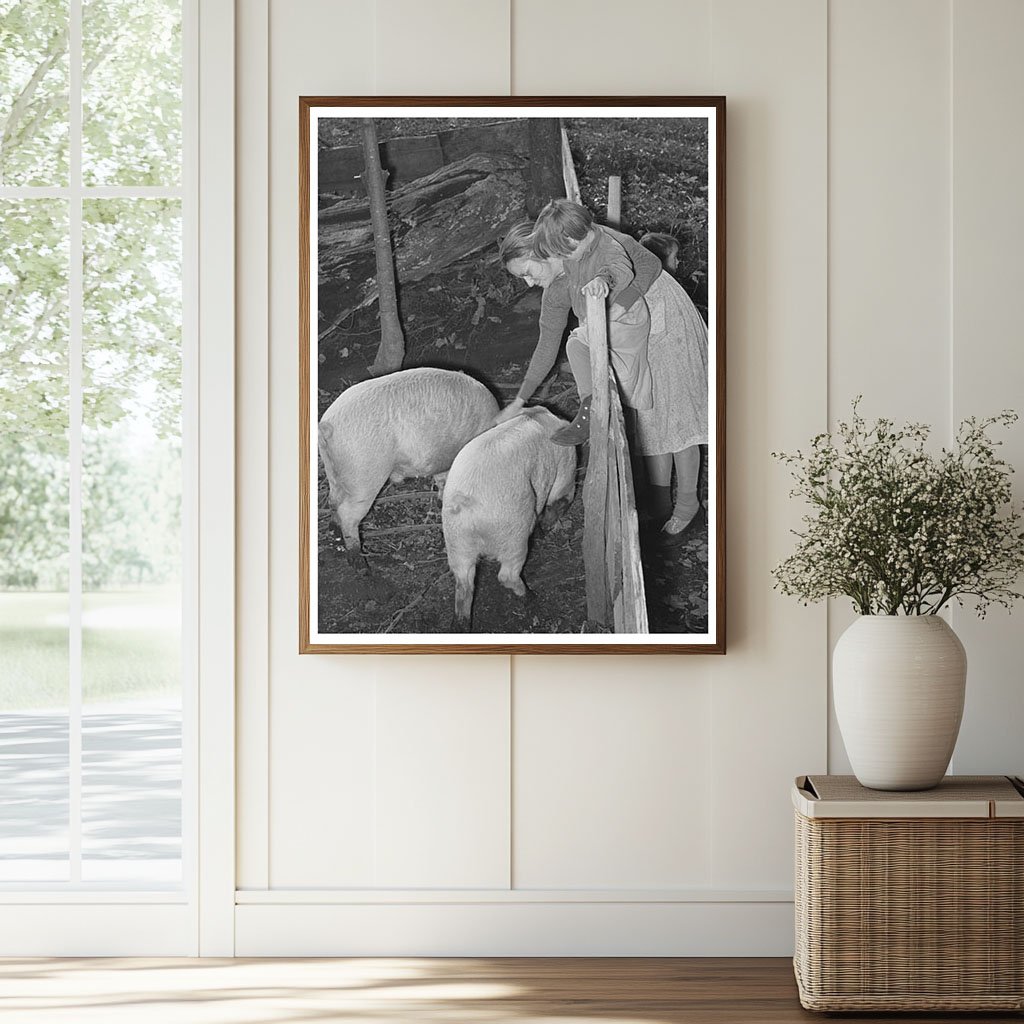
column 611, row 543
column 391, row 350
column 572, row 185
column 595, row 488
column 629, row 602
column 614, row 201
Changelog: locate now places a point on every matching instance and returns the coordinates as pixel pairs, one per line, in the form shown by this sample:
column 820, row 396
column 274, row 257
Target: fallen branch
column 397, row 617
column 391, row 530
column 562, row 394
column 406, row 496
column 537, row 582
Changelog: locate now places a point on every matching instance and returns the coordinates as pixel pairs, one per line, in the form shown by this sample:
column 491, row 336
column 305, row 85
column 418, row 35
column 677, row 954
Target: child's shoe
column 579, row 430
column 678, row 528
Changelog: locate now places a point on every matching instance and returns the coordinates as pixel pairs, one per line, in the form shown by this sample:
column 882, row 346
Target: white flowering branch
column 897, row 529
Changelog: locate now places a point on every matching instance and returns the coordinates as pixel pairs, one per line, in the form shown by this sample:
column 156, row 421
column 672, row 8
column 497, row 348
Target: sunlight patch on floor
column 220, row 991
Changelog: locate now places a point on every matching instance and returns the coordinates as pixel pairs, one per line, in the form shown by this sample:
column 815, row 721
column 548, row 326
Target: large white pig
column 497, row 487
column 409, row 423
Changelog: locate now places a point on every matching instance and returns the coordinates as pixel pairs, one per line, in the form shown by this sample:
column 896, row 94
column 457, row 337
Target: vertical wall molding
column 216, row 478
column 253, row 389
column 987, row 368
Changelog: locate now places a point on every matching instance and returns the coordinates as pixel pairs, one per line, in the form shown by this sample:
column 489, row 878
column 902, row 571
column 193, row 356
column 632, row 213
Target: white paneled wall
column 626, row 805
column 442, row 771
column 441, row 48
column 889, row 198
column 987, row 365
column 889, row 331
column 580, row 48
column 612, row 779
column 768, row 694
column 322, row 772
column 319, row 748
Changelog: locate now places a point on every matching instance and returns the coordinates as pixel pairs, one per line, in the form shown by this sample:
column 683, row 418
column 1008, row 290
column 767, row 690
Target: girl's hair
column 560, row 221
column 661, row 245
column 518, row 243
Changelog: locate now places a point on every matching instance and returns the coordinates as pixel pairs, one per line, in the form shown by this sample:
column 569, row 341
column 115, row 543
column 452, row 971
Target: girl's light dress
column 677, row 351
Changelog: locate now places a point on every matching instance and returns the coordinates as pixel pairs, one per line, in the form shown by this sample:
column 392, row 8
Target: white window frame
column 50, row 919
column 216, row 393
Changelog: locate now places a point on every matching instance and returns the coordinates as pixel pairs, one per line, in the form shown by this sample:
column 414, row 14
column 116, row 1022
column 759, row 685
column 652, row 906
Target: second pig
column 497, row 487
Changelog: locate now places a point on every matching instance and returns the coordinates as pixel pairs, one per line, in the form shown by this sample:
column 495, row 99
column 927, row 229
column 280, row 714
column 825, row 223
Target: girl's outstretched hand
column 513, row 409
column 599, row 287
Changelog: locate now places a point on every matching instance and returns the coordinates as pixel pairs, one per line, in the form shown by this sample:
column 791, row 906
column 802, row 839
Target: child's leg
column 627, row 345
column 577, row 349
column 659, row 487
column 687, row 504
column 627, row 353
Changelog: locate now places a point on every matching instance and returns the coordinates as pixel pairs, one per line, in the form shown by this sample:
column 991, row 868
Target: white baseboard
column 97, row 929
column 520, row 928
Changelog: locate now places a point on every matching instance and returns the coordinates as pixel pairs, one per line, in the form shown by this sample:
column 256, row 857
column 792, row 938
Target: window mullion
column 75, row 336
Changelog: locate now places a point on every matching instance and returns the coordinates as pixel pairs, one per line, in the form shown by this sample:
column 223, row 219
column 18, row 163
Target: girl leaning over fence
column 667, row 434
column 576, row 258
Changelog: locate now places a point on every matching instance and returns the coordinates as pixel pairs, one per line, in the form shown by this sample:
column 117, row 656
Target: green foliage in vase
column 901, row 530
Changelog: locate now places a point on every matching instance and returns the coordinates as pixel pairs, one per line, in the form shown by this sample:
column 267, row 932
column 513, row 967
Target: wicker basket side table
column 910, row 901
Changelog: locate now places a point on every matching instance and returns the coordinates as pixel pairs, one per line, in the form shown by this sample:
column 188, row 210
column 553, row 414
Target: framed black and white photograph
column 512, row 385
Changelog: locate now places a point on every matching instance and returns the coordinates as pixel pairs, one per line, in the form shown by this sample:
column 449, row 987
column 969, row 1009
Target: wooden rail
column 611, row 541
column 572, row 185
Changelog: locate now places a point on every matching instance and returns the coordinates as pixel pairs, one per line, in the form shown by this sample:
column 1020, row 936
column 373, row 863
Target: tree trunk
column 545, row 163
column 391, row 351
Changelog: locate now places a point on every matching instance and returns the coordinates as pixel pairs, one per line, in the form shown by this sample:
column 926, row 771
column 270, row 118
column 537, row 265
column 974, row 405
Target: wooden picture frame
column 454, row 167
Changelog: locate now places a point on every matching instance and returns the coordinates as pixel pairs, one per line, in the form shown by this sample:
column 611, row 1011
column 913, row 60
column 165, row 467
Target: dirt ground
column 480, row 321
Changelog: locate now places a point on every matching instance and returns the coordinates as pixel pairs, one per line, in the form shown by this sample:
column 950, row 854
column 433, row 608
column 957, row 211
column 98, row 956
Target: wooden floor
column 414, row 991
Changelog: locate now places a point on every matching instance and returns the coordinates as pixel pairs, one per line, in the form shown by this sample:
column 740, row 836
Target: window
column 96, row 465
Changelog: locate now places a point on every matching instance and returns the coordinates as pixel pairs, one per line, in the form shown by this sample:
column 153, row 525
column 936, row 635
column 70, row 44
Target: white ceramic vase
column 898, row 684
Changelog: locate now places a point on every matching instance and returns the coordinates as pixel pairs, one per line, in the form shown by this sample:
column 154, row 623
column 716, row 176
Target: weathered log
column 410, row 157
column 435, row 221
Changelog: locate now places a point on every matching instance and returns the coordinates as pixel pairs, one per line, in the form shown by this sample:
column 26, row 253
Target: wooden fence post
column 611, row 543
column 614, row 201
column 572, row 185
column 595, row 487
